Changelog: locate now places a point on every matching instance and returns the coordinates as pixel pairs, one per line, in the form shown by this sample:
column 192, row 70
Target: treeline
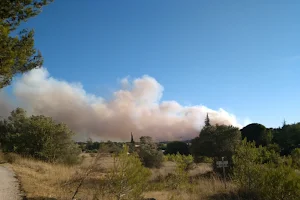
column 263, row 162
column 43, row 138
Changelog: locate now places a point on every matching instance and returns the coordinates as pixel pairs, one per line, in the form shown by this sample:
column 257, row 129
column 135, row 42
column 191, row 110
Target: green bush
column 203, row 159
column 148, row 153
column 184, row 161
column 183, row 164
column 271, row 180
column 39, row 137
column 296, row 158
column 127, row 179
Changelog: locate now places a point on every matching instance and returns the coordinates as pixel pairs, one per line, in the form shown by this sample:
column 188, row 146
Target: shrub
column 296, row 158
column 268, row 180
column 128, row 178
column 39, row 137
column 203, row 159
column 183, row 164
column 148, row 153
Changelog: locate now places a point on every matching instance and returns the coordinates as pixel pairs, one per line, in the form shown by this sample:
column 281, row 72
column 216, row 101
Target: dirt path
column 9, row 186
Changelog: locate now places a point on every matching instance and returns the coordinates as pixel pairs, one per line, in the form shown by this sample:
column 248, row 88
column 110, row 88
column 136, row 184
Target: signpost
column 223, row 164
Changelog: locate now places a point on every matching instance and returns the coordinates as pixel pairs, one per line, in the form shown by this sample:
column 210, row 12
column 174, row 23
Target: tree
column 216, row 142
column 149, row 154
column 131, row 141
column 207, row 121
column 38, row 136
column 18, row 54
column 92, row 147
column 177, row 147
column 257, row 133
column 288, row 137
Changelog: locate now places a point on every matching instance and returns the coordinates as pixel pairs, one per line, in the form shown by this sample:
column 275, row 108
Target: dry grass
column 42, row 180
column 2, row 158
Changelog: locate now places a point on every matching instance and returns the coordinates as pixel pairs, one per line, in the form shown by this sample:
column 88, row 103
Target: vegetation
column 127, row 178
column 257, row 171
column 264, row 180
column 177, row 147
column 216, row 142
column 257, row 133
column 18, row 54
column 287, row 137
column 264, row 162
column 149, row 154
column 296, row 158
column 39, row 137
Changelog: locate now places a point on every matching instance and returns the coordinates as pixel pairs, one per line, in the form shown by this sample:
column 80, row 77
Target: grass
column 42, row 180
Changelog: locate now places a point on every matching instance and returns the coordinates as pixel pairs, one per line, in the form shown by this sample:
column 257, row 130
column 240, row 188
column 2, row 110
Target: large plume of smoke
column 136, row 107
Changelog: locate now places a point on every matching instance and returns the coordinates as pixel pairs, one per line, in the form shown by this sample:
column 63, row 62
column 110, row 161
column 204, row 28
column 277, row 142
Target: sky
column 241, row 57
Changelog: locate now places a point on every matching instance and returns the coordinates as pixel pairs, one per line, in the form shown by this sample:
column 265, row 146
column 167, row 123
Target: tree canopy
column 177, row 147
column 216, row 141
column 38, row 136
column 18, row 54
column 288, row 137
column 257, row 133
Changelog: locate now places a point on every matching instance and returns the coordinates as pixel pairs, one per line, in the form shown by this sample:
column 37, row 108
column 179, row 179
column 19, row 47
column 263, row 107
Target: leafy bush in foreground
column 269, row 181
column 128, row 178
column 39, row 137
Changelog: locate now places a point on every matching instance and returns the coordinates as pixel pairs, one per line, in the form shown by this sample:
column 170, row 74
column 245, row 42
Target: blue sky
column 240, row 56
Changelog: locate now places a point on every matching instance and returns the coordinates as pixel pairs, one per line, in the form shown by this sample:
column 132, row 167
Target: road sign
column 221, row 164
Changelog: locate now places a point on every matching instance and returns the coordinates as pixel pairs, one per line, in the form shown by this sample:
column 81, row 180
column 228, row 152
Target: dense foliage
column 127, row 178
column 262, row 177
column 257, row 133
column 149, row 154
column 216, row 142
column 18, row 54
column 177, row 147
column 287, row 137
column 38, row 136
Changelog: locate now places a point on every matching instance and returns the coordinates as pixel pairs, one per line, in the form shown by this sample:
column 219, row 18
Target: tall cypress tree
column 132, row 141
column 207, row 120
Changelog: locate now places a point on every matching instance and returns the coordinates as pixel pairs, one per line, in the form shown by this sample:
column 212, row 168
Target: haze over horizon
column 135, row 107
column 157, row 68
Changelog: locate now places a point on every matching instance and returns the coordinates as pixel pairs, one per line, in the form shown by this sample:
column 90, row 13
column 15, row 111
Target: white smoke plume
column 137, row 108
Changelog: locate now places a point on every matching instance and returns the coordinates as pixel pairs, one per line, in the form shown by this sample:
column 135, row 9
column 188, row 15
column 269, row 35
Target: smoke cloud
column 136, row 107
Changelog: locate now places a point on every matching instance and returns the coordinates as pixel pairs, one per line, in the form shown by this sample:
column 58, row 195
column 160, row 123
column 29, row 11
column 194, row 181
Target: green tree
column 18, row 54
column 288, row 137
column 38, row 136
column 177, row 147
column 216, row 141
column 149, row 155
column 257, row 133
column 207, row 121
